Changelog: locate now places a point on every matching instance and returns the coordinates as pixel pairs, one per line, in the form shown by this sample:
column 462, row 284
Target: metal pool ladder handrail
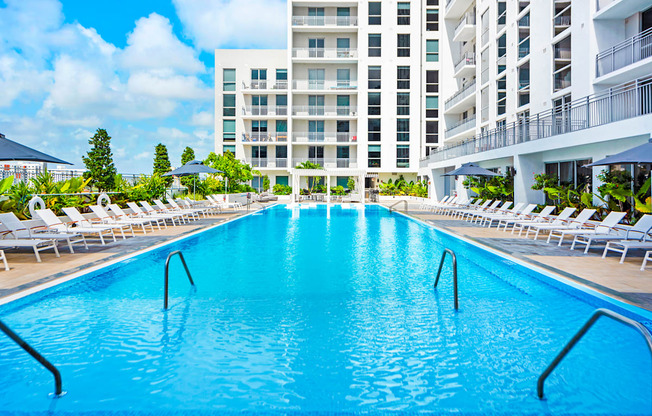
column 58, row 391
column 404, row 201
column 167, row 267
column 441, row 265
column 596, row 315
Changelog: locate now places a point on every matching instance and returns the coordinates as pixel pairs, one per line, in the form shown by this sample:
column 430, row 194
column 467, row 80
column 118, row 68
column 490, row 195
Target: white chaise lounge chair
column 79, row 223
column 20, row 231
column 122, row 216
column 606, row 226
column 637, row 232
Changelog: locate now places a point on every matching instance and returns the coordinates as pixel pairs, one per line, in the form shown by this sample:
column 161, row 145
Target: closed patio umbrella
column 471, row 169
column 194, row 167
column 10, row 150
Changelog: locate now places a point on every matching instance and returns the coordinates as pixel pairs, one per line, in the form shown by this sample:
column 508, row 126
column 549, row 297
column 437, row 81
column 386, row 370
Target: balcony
column 334, row 86
column 268, row 163
column 562, row 78
column 466, row 125
column 324, row 23
column 465, row 66
column 462, row 99
column 324, row 137
column 324, row 111
column 324, row 54
column 623, row 102
column 264, row 111
column 619, row 9
column 259, row 136
column 633, row 54
column 327, row 162
column 456, row 8
column 465, row 29
column 257, row 85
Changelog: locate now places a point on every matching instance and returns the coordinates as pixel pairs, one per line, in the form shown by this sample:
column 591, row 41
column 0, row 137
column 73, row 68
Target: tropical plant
column 99, row 161
column 236, row 171
column 338, row 190
column 402, row 187
column 314, row 182
column 350, row 183
column 266, row 183
column 162, row 163
column 491, row 187
column 282, row 189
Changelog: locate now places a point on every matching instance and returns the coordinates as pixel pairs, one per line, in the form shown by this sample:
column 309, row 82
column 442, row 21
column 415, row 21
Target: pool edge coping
column 79, row 273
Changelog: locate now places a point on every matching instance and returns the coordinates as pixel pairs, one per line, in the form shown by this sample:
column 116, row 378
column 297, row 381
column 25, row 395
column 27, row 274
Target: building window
column 562, row 68
column 374, row 44
column 432, row 50
column 228, row 148
column 282, row 180
column 402, row 155
column 228, row 104
column 432, row 20
column 374, row 12
column 374, row 77
column 572, row 173
column 403, row 13
column 432, row 2
column 501, row 103
column 343, row 78
column 373, row 155
column 432, row 131
column 403, row 78
column 373, row 99
column 502, row 52
column 403, row 48
column 259, row 130
column 403, row 104
column 343, row 130
column 281, row 79
column 403, row 129
column 281, row 157
column 281, row 105
column 432, row 81
column 228, row 129
column 229, row 79
column 374, row 129
column 502, row 15
column 281, row 130
column 432, row 106
column 259, row 78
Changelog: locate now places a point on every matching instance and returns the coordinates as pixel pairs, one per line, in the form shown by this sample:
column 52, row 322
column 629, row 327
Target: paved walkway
column 624, row 281
column 26, row 273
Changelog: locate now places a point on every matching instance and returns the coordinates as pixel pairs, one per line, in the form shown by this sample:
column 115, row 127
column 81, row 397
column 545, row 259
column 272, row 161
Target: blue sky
column 142, row 69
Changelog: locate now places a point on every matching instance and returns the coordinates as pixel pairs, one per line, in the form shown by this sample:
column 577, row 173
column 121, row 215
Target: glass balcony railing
column 625, row 53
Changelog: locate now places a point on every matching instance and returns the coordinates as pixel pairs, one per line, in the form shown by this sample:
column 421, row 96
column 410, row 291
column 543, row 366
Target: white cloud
column 153, row 45
column 163, row 84
column 19, row 79
column 234, row 23
column 202, row 119
column 143, row 155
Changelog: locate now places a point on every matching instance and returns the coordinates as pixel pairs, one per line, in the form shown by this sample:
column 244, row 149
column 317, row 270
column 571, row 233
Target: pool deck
column 625, row 281
column 25, row 273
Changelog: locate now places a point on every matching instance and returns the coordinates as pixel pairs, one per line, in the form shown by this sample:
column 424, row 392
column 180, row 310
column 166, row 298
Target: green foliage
column 491, row 187
column 147, row 188
column 338, row 190
column 282, row 189
column 162, row 163
column 99, row 162
column 236, row 171
column 266, row 183
column 402, row 187
column 616, row 188
column 187, row 155
column 350, row 183
column 309, row 165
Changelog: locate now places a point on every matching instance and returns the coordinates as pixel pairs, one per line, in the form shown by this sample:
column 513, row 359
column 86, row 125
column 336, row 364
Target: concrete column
column 328, row 188
column 436, row 189
column 526, row 167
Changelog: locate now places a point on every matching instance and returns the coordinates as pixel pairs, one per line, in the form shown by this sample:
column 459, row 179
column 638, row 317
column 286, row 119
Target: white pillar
column 526, row 167
column 328, row 187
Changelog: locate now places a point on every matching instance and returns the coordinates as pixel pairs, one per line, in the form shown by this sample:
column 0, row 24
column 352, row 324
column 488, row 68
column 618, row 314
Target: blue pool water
column 320, row 310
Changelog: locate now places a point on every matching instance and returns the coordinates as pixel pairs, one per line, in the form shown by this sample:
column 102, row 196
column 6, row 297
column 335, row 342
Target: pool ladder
column 167, row 275
column 441, row 265
column 58, row 385
column 592, row 320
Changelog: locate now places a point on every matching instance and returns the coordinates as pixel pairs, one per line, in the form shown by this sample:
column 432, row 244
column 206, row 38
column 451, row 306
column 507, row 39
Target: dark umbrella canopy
column 471, row 169
column 10, row 150
column 193, row 167
column 638, row 155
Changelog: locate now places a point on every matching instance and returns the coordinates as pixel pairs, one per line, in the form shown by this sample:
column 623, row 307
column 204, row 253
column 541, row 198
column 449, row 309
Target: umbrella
column 638, row 155
column 10, row 150
column 193, row 167
column 471, row 169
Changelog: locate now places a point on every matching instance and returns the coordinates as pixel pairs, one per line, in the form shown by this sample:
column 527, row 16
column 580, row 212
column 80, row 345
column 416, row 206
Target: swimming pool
column 320, row 310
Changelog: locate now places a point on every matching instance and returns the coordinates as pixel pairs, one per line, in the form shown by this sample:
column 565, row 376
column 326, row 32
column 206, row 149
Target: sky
column 141, row 69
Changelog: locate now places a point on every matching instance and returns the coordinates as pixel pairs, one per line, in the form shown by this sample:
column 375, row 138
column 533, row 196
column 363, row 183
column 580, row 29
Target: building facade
column 542, row 87
column 356, row 91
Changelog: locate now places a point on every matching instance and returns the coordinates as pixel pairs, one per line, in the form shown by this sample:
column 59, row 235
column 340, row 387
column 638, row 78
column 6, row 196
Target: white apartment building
column 356, row 91
column 541, row 86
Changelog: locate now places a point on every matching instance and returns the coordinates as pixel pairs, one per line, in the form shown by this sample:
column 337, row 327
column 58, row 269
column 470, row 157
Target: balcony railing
column 327, row 162
column 625, row 53
column 257, row 136
column 562, row 21
column 264, row 85
column 263, row 110
column 263, row 162
column 467, row 58
column 460, row 95
column 317, row 110
column 325, row 137
column 562, row 53
column 462, row 125
column 562, row 78
column 324, row 85
column 324, row 53
column 350, row 21
column 623, row 102
column 467, row 19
